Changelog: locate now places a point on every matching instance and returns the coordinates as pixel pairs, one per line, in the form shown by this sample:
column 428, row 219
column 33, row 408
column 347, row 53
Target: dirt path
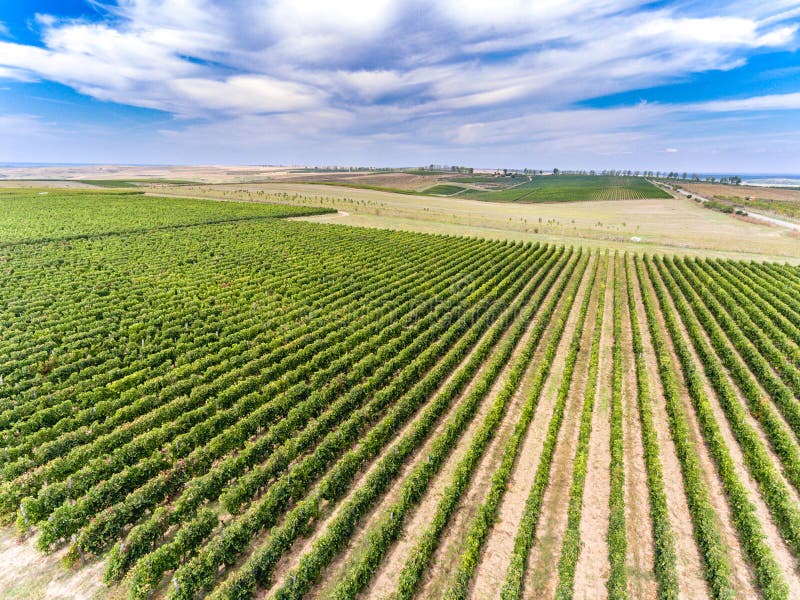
column 774, row 539
column 338, row 567
column 689, row 564
column 742, row 577
column 542, row 573
column 642, row 581
column 445, row 560
column 28, row 574
column 593, row 566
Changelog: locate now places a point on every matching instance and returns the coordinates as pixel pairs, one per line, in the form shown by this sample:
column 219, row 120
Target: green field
column 56, row 214
column 444, row 189
column 548, row 188
column 572, row 188
column 202, row 398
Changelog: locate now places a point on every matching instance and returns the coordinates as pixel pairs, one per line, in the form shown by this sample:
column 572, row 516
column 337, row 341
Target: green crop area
column 571, row 188
column 53, row 214
column 207, row 399
column 445, row 189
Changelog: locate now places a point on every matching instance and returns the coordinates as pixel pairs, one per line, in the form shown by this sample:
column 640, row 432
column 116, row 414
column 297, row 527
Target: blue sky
column 686, row 85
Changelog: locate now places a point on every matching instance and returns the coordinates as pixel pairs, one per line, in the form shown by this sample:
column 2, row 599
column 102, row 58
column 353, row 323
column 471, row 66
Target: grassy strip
column 414, row 569
column 571, row 547
column 387, row 530
column 706, row 530
column 665, row 559
column 617, row 583
column 487, row 512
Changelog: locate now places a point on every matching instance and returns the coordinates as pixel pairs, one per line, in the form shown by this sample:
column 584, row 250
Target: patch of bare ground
column 357, row 544
column 640, row 561
column 755, row 221
column 708, row 190
column 542, row 574
column 291, row 559
column 689, row 564
column 445, row 560
column 399, row 181
column 593, row 567
column 742, row 577
column 774, row 539
column 27, row 574
column 33, row 183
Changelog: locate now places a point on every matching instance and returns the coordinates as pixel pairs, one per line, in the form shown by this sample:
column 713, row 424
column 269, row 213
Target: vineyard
column 519, row 188
column 217, row 401
column 571, row 188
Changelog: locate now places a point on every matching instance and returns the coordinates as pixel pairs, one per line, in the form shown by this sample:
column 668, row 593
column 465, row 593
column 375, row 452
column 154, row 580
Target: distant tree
column 736, row 180
column 684, row 175
column 556, row 171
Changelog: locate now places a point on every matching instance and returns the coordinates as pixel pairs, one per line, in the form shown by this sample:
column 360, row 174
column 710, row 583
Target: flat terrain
column 754, row 191
column 514, row 187
column 32, row 215
column 781, row 202
column 209, row 174
column 674, row 225
column 572, row 188
column 218, row 399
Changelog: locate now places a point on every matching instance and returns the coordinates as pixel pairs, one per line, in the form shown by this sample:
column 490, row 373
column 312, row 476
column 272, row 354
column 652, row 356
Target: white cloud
column 716, row 32
column 559, row 125
column 449, row 72
column 247, row 94
column 757, row 103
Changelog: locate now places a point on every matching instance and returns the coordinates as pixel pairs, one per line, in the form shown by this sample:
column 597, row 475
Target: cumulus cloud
column 450, row 71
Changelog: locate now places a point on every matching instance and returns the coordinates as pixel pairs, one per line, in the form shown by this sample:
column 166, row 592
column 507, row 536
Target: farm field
column 31, row 215
column 783, row 202
column 519, row 188
column 572, row 188
column 671, row 225
column 214, row 400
